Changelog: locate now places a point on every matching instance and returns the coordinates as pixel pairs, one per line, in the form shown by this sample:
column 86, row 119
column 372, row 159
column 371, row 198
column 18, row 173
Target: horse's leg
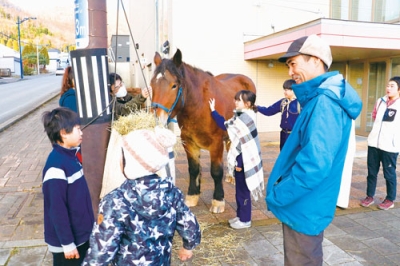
column 193, row 157
column 217, row 172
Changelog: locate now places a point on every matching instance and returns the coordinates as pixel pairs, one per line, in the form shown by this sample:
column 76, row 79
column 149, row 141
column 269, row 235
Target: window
column 387, row 11
column 340, row 9
column 395, row 67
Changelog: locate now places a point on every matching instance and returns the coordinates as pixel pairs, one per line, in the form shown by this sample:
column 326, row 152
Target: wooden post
column 90, row 66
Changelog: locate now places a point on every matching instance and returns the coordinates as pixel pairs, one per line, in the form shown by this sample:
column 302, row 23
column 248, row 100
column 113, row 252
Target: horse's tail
column 227, row 142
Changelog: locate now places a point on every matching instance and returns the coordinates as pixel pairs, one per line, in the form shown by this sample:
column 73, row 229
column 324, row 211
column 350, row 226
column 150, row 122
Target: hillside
column 53, row 27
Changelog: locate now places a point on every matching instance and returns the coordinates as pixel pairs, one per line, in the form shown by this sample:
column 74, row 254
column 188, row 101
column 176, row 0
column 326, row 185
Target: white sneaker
column 233, row 220
column 240, row 225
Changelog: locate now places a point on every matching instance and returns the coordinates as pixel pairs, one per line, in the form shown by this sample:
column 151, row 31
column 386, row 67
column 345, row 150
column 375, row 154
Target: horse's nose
column 161, row 113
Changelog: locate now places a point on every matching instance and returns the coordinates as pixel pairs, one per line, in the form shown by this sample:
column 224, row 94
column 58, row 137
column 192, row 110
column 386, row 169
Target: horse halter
column 169, row 111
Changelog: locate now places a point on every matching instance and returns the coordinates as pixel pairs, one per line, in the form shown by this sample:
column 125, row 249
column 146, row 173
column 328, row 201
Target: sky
column 37, row 7
column 39, row 4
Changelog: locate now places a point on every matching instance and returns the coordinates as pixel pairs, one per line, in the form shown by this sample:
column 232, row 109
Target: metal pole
column 37, row 53
column 20, row 51
column 19, row 43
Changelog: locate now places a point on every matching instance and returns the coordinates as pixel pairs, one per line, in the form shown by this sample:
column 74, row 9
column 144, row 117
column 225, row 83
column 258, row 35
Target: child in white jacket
column 384, row 145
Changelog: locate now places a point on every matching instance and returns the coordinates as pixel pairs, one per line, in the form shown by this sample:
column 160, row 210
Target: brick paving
column 357, row 236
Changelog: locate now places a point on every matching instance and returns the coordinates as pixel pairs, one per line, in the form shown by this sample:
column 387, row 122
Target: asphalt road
column 20, row 97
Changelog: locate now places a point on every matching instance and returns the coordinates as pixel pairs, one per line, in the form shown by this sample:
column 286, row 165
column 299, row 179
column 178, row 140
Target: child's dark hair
column 288, row 84
column 58, row 119
column 247, row 97
column 112, row 77
column 397, row 80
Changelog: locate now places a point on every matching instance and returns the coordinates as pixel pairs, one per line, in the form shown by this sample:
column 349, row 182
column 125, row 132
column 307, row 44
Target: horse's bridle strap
column 169, row 111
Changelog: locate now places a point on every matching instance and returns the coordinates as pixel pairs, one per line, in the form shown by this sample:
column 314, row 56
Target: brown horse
column 183, row 91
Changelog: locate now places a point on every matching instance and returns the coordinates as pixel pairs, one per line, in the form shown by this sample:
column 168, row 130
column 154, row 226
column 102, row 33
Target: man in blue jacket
column 304, row 184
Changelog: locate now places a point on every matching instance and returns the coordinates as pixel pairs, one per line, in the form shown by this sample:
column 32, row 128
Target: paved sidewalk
column 357, row 236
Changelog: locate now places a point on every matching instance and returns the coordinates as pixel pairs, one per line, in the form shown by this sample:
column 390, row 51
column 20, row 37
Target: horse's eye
column 174, row 87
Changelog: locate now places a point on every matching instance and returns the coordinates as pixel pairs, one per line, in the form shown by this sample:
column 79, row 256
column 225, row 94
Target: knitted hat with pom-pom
column 145, row 151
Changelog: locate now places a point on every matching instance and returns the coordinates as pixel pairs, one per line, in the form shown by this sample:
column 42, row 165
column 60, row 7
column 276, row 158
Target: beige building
column 247, row 37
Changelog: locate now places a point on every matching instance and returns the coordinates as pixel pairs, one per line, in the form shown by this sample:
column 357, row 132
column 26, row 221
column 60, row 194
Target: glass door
column 376, row 89
column 356, row 79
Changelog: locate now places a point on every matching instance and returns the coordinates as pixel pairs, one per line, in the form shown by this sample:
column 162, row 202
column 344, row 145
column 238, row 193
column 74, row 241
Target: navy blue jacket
column 290, row 112
column 68, row 99
column 220, row 120
column 68, row 213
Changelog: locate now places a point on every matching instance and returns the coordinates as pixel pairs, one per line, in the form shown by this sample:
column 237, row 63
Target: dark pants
column 243, row 199
column 301, row 249
column 60, row 260
column 284, row 136
column 388, row 160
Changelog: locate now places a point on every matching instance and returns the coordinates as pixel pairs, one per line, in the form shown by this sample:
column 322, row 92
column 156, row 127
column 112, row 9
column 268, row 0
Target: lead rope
column 114, row 98
column 136, row 51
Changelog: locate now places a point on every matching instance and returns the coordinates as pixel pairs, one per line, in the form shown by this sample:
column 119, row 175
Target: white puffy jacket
column 385, row 133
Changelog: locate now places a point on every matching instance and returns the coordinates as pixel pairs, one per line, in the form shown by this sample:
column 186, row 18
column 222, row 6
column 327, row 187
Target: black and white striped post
column 91, row 82
column 90, row 67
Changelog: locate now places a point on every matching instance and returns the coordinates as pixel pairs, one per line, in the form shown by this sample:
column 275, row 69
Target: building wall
column 142, row 20
column 8, row 62
column 211, row 36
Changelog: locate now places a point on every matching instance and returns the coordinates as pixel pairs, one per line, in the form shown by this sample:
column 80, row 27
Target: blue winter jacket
column 304, row 184
column 68, row 99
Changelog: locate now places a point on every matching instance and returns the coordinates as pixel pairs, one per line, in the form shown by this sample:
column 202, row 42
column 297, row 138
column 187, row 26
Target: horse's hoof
column 192, row 200
column 217, row 206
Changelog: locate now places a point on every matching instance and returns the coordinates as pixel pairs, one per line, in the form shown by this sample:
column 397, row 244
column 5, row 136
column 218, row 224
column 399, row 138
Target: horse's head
column 167, row 88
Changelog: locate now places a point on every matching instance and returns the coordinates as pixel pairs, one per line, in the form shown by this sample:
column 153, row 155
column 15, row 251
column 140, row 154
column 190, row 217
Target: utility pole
column 90, row 66
column 37, row 56
column 21, row 65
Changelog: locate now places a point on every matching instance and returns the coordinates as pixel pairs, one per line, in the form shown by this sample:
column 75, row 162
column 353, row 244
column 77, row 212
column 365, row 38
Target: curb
column 16, row 119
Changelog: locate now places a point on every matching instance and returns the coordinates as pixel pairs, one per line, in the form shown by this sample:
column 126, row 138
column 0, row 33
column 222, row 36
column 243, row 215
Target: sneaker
column 233, row 220
column 386, row 205
column 241, row 225
column 368, row 201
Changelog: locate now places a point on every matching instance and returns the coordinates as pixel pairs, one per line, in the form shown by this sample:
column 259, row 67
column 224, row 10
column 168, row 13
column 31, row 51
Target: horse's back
column 228, row 86
column 237, row 82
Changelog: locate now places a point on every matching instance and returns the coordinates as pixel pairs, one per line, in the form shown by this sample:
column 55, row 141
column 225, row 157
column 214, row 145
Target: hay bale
column 134, row 121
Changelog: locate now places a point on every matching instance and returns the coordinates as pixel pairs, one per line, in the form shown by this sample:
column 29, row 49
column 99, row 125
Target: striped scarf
column 243, row 134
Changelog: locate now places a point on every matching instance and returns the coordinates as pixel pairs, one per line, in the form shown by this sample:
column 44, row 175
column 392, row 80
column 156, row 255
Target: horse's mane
column 168, row 64
column 183, row 75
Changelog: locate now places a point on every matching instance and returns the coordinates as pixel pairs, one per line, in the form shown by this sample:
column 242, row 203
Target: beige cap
column 309, row 45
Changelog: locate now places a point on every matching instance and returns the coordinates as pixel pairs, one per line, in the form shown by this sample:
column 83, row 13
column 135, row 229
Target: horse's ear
column 157, row 59
column 177, row 58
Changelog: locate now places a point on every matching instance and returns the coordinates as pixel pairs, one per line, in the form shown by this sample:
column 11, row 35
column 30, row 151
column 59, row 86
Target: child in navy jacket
column 68, row 213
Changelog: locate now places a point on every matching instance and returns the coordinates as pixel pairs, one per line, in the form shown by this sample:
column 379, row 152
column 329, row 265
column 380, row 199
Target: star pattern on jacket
column 139, row 222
